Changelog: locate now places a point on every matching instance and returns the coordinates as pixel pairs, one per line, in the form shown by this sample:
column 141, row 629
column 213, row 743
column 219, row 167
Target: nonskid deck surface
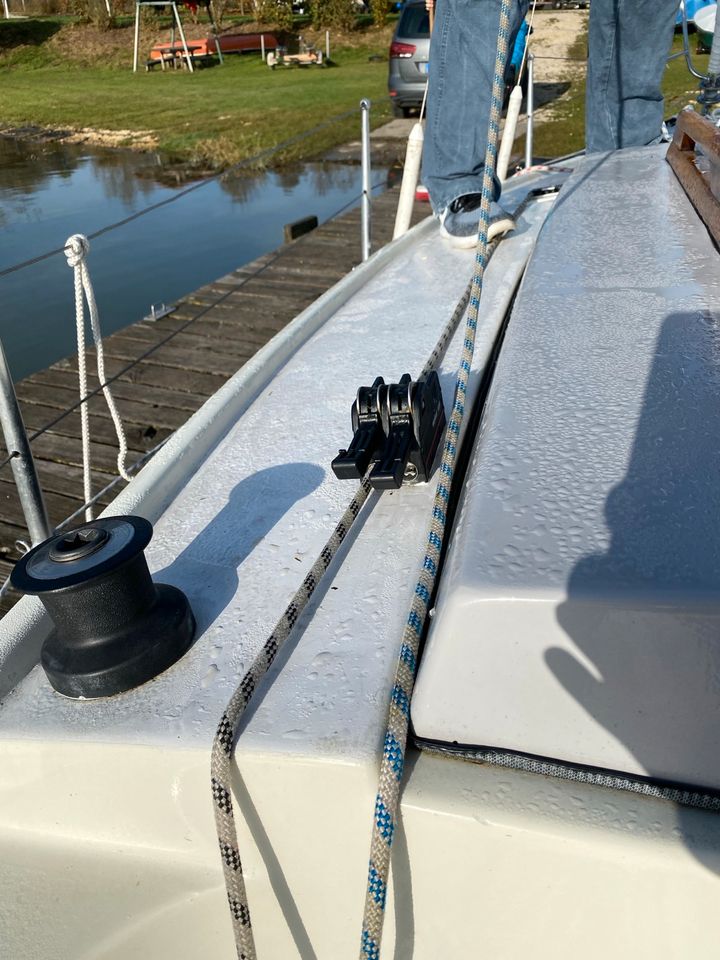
column 186, row 358
column 243, row 532
column 581, row 591
column 114, row 795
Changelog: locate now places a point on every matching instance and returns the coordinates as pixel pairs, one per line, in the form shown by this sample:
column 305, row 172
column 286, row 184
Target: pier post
column 365, row 225
column 22, row 463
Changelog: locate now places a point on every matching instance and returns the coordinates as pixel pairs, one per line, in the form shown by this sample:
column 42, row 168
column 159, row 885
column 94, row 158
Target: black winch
column 114, row 627
column 397, row 428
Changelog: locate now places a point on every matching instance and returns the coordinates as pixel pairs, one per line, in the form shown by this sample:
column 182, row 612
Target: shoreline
column 388, row 149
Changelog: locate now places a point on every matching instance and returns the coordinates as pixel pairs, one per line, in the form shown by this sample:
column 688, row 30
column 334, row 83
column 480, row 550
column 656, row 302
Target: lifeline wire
column 146, row 353
column 90, row 501
column 76, row 251
column 395, row 742
column 240, row 165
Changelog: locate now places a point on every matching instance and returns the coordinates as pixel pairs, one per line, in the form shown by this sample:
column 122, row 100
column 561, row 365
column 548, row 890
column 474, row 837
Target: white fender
column 411, row 173
column 508, row 137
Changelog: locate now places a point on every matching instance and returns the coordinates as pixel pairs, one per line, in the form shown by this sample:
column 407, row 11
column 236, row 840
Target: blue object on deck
column 691, row 8
column 519, row 47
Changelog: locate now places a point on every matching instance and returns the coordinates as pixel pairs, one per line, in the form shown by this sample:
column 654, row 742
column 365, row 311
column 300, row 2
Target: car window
column 414, row 22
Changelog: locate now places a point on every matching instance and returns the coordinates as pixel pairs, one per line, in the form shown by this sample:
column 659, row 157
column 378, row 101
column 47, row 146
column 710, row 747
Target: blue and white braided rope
column 391, row 768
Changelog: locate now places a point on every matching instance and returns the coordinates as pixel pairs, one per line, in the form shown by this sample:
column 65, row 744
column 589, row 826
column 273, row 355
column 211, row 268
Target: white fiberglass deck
column 107, row 845
column 579, row 612
column 238, row 538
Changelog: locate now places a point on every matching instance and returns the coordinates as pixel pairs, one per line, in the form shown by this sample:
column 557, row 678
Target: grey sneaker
column 459, row 221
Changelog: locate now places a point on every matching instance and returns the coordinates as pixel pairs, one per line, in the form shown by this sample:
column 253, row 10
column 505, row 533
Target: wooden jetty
column 167, row 368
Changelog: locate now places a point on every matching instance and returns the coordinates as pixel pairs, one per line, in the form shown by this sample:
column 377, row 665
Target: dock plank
column 166, row 369
column 152, row 395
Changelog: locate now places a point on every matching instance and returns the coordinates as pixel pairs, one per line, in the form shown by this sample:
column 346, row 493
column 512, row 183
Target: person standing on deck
column 629, row 42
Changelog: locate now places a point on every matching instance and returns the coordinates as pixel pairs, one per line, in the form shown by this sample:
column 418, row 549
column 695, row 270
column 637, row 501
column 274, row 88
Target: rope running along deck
column 395, row 739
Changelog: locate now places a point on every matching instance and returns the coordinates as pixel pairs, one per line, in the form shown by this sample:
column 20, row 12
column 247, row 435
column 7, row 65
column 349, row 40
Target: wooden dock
column 166, row 369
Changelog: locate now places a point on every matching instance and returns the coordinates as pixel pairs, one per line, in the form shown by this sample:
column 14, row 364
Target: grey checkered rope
column 446, row 336
column 223, row 744
column 393, row 758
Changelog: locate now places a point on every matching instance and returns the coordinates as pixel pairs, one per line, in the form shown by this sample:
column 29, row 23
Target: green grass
column 562, row 130
column 215, row 116
column 220, row 115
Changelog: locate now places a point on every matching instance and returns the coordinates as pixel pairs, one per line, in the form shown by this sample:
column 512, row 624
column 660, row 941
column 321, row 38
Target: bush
column 284, row 14
column 338, row 14
column 379, row 10
column 92, row 11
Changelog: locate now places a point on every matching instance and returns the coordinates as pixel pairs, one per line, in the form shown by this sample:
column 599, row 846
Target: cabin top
column 579, row 611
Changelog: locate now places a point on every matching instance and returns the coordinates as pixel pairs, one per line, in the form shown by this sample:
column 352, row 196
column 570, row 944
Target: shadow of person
column 644, row 616
column 207, row 568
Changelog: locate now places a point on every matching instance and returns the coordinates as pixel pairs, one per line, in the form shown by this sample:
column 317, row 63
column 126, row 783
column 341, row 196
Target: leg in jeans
column 462, row 65
column 629, row 43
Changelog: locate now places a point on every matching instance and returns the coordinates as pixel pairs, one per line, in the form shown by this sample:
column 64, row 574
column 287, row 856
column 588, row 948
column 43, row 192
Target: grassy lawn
column 215, row 116
column 560, row 126
column 60, row 75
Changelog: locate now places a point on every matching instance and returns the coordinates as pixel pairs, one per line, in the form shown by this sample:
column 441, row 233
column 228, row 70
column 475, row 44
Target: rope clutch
column 397, row 428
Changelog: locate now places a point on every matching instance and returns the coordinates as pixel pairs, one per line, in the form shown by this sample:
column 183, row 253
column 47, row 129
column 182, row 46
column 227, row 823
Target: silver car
column 409, row 55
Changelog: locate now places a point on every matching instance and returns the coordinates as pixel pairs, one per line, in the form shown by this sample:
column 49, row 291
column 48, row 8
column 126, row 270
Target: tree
column 92, row 11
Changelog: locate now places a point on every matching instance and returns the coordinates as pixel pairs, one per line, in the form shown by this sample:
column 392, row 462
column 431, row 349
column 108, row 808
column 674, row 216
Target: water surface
column 49, row 191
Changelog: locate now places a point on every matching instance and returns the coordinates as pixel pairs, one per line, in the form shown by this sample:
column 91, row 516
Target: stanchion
column 22, row 463
column 366, row 189
column 529, row 111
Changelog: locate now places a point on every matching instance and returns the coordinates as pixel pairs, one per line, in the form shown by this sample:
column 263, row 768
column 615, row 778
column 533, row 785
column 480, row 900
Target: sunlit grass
column 217, row 115
column 560, row 129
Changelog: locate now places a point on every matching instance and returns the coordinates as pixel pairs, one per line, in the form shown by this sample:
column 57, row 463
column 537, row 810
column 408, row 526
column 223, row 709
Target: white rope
column 76, row 250
column 527, row 41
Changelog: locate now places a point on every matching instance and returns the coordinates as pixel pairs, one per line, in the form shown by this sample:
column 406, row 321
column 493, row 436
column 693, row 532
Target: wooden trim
column 692, row 129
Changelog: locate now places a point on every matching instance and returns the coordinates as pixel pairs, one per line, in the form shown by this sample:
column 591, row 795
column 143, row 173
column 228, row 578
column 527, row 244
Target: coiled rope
column 396, row 737
column 395, row 742
column 77, row 248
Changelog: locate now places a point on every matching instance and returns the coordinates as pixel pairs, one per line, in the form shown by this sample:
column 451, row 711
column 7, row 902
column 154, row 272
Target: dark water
column 50, row 191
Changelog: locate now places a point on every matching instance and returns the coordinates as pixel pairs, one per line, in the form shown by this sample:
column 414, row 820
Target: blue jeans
column 629, row 41
column 629, row 44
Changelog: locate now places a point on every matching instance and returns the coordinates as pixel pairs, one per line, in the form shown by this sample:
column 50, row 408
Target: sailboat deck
column 184, row 359
column 584, row 576
column 115, row 795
